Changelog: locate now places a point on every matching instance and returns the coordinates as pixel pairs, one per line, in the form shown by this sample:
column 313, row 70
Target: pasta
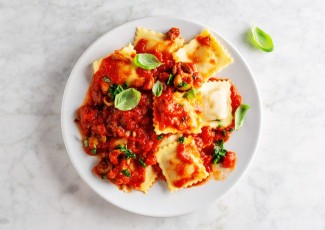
column 155, row 111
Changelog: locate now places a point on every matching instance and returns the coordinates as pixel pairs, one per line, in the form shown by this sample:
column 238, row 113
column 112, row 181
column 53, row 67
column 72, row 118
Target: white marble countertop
column 40, row 41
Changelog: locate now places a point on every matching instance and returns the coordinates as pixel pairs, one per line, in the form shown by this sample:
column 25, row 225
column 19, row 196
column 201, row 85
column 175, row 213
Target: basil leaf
column 115, row 89
column 127, row 99
column 157, row 88
column 219, row 152
column 261, row 40
column 146, row 61
column 240, row 115
column 191, row 93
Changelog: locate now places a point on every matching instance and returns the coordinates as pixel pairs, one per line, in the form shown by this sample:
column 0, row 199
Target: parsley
column 160, row 137
column 104, row 177
column 106, row 79
column 86, row 143
column 126, row 172
column 170, row 79
column 142, row 163
column 219, row 152
column 181, row 139
column 93, row 151
column 220, row 126
column 114, row 89
column 183, row 84
column 127, row 152
column 217, row 120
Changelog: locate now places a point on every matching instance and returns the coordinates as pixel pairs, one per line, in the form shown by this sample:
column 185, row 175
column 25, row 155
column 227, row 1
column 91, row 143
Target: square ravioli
column 119, row 68
column 216, row 97
column 181, row 164
column 162, row 42
column 150, row 177
column 175, row 114
column 206, row 52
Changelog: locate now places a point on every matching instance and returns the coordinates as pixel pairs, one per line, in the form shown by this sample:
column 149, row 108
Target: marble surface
column 40, row 41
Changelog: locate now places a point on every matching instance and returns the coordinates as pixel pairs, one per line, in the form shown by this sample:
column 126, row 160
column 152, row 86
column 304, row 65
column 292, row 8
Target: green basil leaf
column 240, row 115
column 127, row 99
column 146, row 61
column 157, row 88
column 262, row 40
column 191, row 93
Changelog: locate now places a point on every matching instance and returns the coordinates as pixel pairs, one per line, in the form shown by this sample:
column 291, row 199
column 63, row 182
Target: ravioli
column 175, row 114
column 181, row 168
column 150, row 177
column 157, row 41
column 123, row 69
column 209, row 58
column 216, row 97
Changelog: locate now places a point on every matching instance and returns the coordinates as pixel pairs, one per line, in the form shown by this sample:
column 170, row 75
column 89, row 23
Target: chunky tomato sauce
column 109, row 133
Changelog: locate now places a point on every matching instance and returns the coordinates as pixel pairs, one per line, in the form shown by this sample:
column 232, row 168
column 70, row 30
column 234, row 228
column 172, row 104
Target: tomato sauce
column 106, row 130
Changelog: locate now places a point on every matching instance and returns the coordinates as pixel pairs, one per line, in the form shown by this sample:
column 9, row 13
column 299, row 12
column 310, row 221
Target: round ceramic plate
column 159, row 201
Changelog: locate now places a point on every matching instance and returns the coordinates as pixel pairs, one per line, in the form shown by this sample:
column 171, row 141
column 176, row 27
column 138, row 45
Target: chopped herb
column 219, row 152
column 93, row 151
column 183, row 84
column 220, row 126
column 126, row 172
column 127, row 152
column 217, row 120
column 180, row 105
column 232, row 129
column 86, row 143
column 114, row 89
column 104, row 177
column 170, row 79
column 106, row 79
column 224, row 133
column 181, row 139
column 142, row 163
column 191, row 94
column 160, row 137
column 183, row 119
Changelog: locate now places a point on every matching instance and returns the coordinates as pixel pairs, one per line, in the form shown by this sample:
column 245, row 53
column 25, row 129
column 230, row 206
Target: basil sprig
column 240, row 115
column 157, row 88
column 127, row 99
column 261, row 40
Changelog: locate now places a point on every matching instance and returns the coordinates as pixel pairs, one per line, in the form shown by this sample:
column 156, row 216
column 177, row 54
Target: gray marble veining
column 40, row 41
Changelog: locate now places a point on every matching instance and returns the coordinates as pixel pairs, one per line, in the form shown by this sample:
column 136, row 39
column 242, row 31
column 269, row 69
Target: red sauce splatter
column 203, row 40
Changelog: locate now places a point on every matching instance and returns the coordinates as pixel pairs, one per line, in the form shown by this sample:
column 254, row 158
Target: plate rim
column 259, row 110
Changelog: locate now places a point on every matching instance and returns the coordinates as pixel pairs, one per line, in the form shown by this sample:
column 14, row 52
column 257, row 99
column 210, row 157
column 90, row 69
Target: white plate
column 159, row 201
